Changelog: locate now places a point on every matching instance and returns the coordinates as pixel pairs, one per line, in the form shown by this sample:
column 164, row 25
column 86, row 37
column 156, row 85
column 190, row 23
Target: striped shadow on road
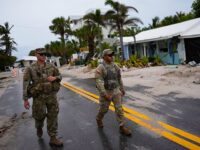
column 146, row 122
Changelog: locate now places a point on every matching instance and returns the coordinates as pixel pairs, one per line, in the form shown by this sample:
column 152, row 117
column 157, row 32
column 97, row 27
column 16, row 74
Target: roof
column 29, row 58
column 111, row 41
column 192, row 32
column 190, row 28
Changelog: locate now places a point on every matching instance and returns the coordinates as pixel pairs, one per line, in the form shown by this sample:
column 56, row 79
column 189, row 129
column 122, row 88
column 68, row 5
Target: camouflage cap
column 40, row 50
column 108, row 52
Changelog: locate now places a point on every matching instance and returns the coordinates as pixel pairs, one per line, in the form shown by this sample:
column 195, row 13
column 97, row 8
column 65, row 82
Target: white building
column 26, row 61
column 179, row 42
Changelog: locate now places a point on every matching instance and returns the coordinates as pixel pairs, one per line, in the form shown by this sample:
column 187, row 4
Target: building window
column 163, row 46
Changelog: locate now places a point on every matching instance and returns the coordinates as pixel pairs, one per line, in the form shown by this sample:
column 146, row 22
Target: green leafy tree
column 6, row 42
column 6, row 60
column 187, row 17
column 32, row 53
column 132, row 32
column 155, row 22
column 98, row 19
column 196, row 8
column 118, row 17
column 74, row 45
column 58, row 48
column 61, row 26
column 168, row 20
column 91, row 32
column 81, row 36
column 180, row 15
column 105, row 45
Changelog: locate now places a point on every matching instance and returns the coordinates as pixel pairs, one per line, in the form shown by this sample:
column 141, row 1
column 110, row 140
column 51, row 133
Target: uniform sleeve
column 120, row 81
column 57, row 74
column 26, row 81
column 100, row 81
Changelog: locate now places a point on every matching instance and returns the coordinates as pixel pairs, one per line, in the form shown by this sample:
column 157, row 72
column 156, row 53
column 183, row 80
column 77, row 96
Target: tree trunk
column 134, row 43
column 99, row 44
column 121, row 42
column 7, row 45
column 91, row 47
column 62, row 38
column 8, row 52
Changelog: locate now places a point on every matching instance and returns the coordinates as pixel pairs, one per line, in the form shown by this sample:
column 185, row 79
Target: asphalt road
column 78, row 129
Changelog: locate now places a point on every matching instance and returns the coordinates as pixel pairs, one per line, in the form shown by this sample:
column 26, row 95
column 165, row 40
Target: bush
column 61, row 61
column 94, row 63
column 145, row 61
column 71, row 63
column 157, row 61
column 135, row 60
column 6, row 61
column 151, row 59
column 127, row 63
column 119, row 64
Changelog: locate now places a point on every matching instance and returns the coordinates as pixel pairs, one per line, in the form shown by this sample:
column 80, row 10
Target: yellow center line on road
column 85, row 95
column 165, row 134
column 125, row 109
column 180, row 132
column 96, row 96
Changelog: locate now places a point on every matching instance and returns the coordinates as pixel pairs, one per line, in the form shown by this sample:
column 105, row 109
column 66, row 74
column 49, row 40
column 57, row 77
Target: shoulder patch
column 98, row 70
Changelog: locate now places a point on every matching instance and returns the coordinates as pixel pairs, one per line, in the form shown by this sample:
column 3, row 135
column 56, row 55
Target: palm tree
column 132, row 32
column 81, row 36
column 118, row 17
column 75, row 46
column 61, row 26
column 167, row 21
column 180, row 15
column 98, row 19
column 91, row 32
column 57, row 48
column 88, row 32
column 5, row 40
column 155, row 22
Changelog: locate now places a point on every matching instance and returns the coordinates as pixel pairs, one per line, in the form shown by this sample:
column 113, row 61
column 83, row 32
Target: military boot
column 39, row 132
column 124, row 130
column 55, row 142
column 99, row 123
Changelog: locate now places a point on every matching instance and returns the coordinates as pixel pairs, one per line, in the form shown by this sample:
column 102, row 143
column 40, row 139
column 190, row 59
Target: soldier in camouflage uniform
column 42, row 82
column 110, row 86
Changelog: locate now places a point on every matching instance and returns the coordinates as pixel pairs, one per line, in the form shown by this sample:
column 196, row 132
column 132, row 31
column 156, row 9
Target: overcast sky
column 32, row 18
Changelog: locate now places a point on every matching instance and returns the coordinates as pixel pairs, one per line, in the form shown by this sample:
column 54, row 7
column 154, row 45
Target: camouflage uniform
column 43, row 92
column 108, row 81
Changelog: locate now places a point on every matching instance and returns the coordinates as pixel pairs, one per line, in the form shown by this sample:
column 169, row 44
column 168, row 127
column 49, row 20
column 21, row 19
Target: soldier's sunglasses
column 110, row 55
column 42, row 54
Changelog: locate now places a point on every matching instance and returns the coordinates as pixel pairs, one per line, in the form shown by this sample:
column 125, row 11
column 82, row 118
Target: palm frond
column 133, row 8
column 132, row 21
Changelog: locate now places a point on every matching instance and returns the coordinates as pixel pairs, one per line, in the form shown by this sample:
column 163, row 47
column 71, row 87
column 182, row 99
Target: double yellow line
column 130, row 114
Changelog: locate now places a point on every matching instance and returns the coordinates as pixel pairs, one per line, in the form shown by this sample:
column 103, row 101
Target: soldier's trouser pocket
column 38, row 109
column 47, row 87
column 36, row 90
column 56, row 86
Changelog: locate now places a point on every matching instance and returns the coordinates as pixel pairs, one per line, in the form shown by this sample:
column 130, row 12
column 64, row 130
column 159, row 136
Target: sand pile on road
column 76, row 71
column 160, row 79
